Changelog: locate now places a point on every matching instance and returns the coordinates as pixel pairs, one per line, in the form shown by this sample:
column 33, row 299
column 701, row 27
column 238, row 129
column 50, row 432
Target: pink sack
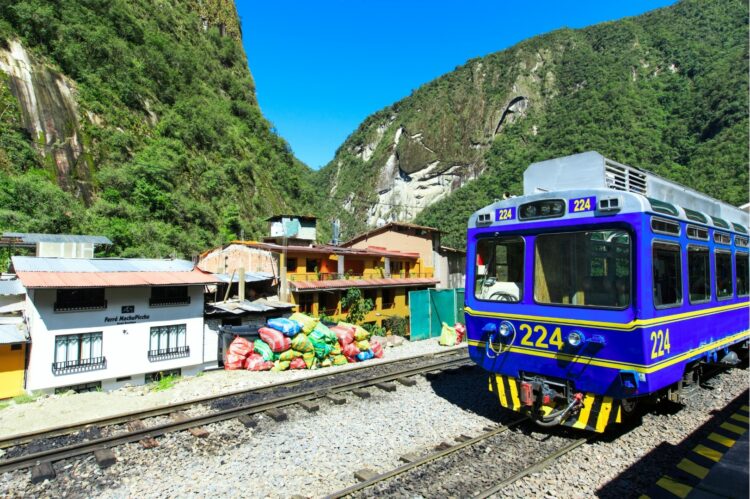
column 233, row 362
column 344, row 334
column 297, row 363
column 255, row 362
column 350, row 351
column 240, row 346
column 377, row 349
column 275, row 339
column 460, row 332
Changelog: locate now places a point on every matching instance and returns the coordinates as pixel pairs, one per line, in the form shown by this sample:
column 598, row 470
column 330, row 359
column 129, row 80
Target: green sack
column 321, row 332
column 262, row 348
column 322, row 350
column 280, row 365
column 448, row 336
column 302, row 343
column 309, row 358
column 308, row 323
column 363, row 345
column 289, row 355
column 340, row 360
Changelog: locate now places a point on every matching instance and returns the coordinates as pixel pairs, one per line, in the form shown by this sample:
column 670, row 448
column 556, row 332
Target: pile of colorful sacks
column 301, row 342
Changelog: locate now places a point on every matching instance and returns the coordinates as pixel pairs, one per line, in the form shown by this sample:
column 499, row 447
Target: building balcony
column 298, row 277
column 79, row 366
column 80, row 307
column 168, row 353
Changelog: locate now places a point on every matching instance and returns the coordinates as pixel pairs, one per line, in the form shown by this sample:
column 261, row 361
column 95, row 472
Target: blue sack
column 366, row 355
column 286, row 326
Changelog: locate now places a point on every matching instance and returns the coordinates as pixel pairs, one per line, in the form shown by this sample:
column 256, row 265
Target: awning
column 246, row 306
column 113, row 279
column 13, row 333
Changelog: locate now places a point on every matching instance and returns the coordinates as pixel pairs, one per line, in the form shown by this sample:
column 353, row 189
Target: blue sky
column 322, row 67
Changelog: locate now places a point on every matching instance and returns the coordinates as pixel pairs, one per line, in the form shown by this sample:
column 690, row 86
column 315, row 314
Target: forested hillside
column 666, row 91
column 137, row 119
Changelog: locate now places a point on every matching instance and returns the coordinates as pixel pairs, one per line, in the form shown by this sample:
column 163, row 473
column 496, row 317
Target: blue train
column 601, row 286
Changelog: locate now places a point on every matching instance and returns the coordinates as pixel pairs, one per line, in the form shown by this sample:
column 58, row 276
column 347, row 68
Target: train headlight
column 576, row 338
column 506, row 329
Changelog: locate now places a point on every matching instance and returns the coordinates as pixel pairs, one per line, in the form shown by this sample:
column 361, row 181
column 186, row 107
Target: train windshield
column 499, row 269
column 587, row 269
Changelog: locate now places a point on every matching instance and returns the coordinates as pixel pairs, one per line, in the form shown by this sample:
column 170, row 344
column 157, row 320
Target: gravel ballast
column 315, row 454
column 55, row 410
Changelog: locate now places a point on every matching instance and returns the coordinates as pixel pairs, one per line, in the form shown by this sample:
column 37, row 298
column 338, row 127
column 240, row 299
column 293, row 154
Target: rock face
column 50, row 115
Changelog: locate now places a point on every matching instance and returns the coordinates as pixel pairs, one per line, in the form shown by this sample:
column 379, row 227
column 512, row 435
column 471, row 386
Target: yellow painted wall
column 377, row 315
column 11, row 371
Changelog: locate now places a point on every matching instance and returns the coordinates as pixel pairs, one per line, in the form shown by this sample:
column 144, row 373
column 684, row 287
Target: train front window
column 499, row 269
column 585, row 269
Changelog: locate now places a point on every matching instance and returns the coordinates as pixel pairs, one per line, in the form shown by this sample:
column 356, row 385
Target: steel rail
column 24, row 438
column 538, row 466
column 422, row 461
column 74, row 450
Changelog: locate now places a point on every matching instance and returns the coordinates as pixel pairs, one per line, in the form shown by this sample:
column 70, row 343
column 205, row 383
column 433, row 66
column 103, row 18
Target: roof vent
column 624, row 178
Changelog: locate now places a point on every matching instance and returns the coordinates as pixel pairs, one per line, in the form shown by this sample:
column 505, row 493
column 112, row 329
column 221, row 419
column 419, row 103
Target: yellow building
column 13, row 339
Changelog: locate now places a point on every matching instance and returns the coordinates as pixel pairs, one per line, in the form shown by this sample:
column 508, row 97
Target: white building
column 107, row 322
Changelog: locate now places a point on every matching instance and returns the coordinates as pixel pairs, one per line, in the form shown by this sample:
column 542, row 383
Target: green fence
column 429, row 308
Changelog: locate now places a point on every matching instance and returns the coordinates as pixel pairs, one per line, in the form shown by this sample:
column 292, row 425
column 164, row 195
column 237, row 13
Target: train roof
column 633, row 189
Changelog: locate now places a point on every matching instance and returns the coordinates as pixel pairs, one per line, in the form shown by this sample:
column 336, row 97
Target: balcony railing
column 334, row 276
column 388, row 306
column 168, row 301
column 79, row 366
column 168, row 353
column 80, row 307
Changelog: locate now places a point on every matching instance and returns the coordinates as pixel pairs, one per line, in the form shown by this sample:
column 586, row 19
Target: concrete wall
column 234, row 256
column 400, row 241
column 125, row 345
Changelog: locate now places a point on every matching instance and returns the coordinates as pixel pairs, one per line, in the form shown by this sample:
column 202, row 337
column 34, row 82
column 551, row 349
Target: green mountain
column 666, row 91
column 137, row 119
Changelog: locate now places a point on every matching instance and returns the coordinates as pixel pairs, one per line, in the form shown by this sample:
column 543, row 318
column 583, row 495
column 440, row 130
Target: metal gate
column 429, row 308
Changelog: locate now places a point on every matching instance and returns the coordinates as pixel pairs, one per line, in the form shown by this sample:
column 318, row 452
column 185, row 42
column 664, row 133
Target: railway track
column 443, row 453
column 272, row 397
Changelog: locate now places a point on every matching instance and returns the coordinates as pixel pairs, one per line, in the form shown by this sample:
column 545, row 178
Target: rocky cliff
column 137, row 120
column 665, row 91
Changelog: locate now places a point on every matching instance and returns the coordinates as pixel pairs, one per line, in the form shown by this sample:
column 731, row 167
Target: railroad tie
column 443, row 446
column 309, row 405
column 276, row 415
column 407, row 381
column 42, row 471
column 363, row 394
column 387, row 387
column 148, row 442
column 462, row 438
column 336, row 399
column 198, row 431
column 105, row 458
column 410, row 457
column 365, row 474
column 248, row 421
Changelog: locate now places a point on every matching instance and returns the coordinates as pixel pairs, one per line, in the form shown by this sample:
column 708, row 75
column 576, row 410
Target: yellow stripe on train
column 595, row 414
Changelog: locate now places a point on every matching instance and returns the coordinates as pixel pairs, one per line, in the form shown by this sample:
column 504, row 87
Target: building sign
column 126, row 319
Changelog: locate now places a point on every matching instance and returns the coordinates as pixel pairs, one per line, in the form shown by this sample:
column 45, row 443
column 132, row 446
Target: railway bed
column 65, row 443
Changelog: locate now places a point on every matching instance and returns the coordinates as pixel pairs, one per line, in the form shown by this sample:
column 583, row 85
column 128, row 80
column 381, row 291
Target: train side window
column 499, row 269
column 742, row 267
column 667, row 272
column 699, row 274
column 723, row 261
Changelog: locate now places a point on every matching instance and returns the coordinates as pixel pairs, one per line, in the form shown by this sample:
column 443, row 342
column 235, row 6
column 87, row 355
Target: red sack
column 350, row 351
column 240, row 346
column 377, row 349
column 233, row 362
column 460, row 332
column 344, row 334
column 255, row 362
column 275, row 339
column 297, row 363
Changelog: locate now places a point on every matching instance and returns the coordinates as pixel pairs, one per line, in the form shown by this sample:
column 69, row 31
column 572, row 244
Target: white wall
column 125, row 346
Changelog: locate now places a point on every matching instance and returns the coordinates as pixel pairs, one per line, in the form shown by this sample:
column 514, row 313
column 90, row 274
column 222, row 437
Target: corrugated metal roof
column 32, row 238
column 11, row 287
column 13, row 333
column 249, row 277
column 241, row 307
column 113, row 279
column 46, row 264
column 363, row 283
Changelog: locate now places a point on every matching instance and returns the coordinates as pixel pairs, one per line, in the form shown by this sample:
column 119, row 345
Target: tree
column 357, row 306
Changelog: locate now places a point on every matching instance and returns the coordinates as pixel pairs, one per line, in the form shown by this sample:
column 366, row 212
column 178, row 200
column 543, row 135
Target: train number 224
column 659, row 343
column 541, row 337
